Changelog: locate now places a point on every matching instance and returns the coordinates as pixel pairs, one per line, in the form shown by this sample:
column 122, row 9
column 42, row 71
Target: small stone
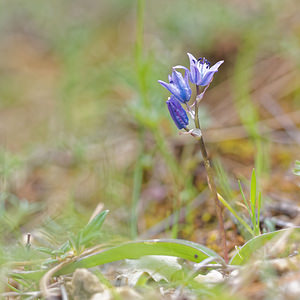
column 124, row 292
column 128, row 293
column 291, row 289
column 211, row 277
column 85, row 284
column 106, row 295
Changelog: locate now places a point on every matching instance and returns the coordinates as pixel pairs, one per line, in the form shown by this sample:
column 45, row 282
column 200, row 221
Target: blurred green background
column 84, row 121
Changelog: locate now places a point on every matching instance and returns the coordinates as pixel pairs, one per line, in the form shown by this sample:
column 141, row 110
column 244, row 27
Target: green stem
column 210, row 179
column 142, row 79
column 139, row 45
column 138, row 171
column 137, row 184
column 175, row 226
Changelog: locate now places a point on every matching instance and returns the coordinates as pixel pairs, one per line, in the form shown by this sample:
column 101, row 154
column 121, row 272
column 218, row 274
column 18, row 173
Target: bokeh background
column 83, row 121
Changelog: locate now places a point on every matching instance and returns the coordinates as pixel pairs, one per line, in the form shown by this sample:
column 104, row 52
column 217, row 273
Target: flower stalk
column 210, row 178
column 201, row 75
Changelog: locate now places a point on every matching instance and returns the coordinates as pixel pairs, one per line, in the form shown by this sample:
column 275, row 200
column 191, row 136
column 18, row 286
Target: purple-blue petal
column 179, row 86
column 207, row 78
column 192, row 59
column 194, row 72
column 195, row 75
column 198, row 75
column 177, row 78
column 187, row 74
column 186, row 77
column 181, row 67
column 177, row 113
column 216, row 66
column 169, row 86
column 184, row 91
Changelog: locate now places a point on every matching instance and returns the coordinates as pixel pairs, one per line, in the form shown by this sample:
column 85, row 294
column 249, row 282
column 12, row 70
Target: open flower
column 178, row 86
column 177, row 113
column 200, row 71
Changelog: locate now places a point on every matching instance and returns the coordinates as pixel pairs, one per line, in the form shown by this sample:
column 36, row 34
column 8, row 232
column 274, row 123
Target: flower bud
column 177, row 113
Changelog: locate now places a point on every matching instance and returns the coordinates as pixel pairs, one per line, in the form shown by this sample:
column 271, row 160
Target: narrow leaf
column 92, row 229
column 258, row 212
column 230, row 208
column 244, row 199
column 253, row 197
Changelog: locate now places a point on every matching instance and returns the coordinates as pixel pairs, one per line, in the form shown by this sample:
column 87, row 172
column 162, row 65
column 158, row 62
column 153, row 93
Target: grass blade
column 244, row 199
column 258, row 213
column 228, row 206
column 253, row 197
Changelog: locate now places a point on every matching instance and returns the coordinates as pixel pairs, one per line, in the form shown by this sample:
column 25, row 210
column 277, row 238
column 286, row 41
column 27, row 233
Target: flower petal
column 209, row 74
column 177, row 78
column 195, row 75
column 207, row 78
column 182, row 85
column 194, row 72
column 170, row 87
column 192, row 58
column 181, row 67
column 216, row 66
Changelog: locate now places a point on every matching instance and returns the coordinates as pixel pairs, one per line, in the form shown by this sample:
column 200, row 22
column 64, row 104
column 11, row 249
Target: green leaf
column 44, row 250
column 252, row 247
column 133, row 250
column 92, row 229
column 61, row 250
column 28, row 275
column 297, row 168
column 13, row 288
column 65, row 247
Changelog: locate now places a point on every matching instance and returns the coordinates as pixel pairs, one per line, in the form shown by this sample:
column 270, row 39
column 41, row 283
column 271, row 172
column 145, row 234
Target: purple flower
column 177, row 113
column 200, row 71
column 179, row 86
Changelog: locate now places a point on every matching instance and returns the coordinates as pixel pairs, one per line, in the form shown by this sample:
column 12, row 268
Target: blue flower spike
column 200, row 71
column 177, row 113
column 178, row 86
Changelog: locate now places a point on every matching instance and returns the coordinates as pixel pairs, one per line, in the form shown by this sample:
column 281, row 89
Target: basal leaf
column 252, row 247
column 132, row 250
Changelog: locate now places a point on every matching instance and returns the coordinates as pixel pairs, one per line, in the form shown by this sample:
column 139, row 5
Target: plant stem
column 197, row 124
column 138, row 171
column 211, row 181
column 137, row 184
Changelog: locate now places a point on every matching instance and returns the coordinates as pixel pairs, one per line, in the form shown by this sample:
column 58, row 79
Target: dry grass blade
column 47, row 291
